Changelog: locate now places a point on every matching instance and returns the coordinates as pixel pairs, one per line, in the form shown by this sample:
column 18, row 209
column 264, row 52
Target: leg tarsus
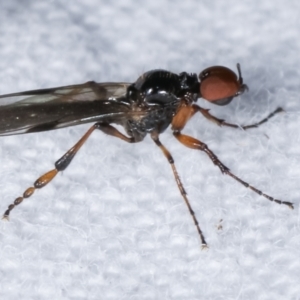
column 62, row 163
column 170, row 159
column 271, row 115
column 221, row 122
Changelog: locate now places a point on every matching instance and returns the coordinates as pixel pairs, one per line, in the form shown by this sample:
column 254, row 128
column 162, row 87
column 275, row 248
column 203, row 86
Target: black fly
column 148, row 106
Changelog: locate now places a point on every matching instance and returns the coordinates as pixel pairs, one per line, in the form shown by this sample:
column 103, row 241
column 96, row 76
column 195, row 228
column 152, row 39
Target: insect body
column 148, row 106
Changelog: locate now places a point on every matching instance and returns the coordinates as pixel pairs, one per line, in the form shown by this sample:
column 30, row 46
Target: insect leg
column 64, row 161
column 193, row 143
column 170, row 159
column 220, row 122
column 182, row 116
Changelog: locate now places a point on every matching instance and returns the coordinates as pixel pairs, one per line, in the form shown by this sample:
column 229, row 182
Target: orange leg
column 65, row 160
column 183, row 116
column 198, row 145
column 185, row 112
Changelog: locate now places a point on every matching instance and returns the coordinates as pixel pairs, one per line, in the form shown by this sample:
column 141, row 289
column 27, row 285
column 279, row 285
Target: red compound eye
column 220, row 85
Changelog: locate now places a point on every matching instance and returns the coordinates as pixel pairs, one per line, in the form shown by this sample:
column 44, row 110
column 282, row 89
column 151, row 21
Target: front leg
column 220, row 122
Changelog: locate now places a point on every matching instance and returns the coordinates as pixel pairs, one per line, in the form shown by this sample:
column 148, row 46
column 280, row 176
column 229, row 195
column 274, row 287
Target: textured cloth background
column 114, row 225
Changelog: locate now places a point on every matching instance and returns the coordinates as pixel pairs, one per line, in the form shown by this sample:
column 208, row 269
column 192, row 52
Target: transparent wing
column 46, row 109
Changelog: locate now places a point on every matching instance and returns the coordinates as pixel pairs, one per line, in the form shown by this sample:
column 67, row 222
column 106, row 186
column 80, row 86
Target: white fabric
column 114, row 225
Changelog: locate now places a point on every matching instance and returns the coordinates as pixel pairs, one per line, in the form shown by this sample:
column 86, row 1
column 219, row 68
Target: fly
column 150, row 105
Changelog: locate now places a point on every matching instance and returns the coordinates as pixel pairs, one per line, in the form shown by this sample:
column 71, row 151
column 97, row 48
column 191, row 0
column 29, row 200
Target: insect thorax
column 154, row 99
